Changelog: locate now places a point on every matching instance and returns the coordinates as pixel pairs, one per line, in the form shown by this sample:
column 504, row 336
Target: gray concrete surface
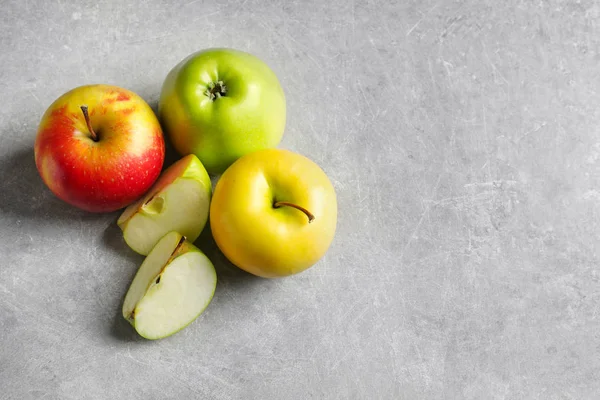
column 463, row 139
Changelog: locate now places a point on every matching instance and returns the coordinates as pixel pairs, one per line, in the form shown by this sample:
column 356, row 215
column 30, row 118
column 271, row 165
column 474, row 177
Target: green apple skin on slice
column 178, row 201
column 173, row 286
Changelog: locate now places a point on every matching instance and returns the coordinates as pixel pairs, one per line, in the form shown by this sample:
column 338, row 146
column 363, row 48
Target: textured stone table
column 463, row 139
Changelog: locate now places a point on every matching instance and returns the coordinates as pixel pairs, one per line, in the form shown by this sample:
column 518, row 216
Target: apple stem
column 215, row 90
column 84, row 109
column 310, row 216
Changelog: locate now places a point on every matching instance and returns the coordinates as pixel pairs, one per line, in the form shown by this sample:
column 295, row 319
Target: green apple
column 221, row 104
column 178, row 201
column 172, row 287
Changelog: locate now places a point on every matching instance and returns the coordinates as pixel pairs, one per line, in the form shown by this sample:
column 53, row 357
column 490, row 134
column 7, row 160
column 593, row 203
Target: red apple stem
column 310, row 216
column 84, row 109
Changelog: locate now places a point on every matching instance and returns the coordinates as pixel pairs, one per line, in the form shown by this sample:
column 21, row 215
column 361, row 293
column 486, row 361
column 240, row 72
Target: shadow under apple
column 24, row 194
column 112, row 239
column 122, row 330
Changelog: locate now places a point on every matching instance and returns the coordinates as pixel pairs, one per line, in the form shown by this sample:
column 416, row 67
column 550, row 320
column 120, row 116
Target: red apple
column 99, row 147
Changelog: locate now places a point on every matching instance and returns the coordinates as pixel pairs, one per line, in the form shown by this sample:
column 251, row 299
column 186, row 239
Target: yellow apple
column 273, row 213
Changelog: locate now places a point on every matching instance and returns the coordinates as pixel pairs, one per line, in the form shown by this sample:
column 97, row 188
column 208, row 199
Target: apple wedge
column 172, row 287
column 178, row 201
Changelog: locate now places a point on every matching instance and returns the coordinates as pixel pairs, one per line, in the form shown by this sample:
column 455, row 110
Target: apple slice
column 178, row 201
column 172, row 287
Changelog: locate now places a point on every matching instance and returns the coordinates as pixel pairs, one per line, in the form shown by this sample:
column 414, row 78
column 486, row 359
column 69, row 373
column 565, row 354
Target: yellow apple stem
column 84, row 109
column 310, row 216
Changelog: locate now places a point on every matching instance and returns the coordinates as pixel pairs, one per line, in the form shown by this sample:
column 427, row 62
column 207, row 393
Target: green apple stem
column 310, row 216
column 84, row 109
column 215, row 90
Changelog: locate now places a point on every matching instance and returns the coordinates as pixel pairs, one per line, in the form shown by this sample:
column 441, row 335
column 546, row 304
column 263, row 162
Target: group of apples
column 272, row 212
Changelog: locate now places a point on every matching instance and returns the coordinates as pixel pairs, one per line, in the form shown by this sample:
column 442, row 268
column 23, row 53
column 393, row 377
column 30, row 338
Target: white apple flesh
column 179, row 201
column 172, row 287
